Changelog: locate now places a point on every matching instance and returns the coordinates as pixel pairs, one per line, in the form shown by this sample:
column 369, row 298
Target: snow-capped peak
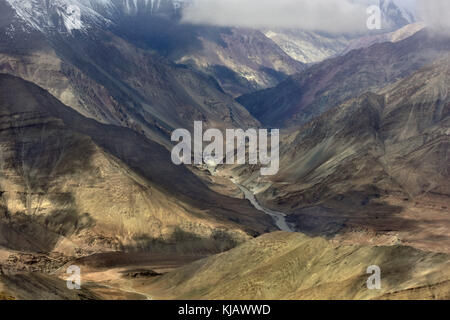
column 395, row 16
column 69, row 15
column 57, row 15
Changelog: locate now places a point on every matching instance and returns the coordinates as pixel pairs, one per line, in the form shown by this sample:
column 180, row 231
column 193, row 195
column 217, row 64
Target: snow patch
column 58, row 15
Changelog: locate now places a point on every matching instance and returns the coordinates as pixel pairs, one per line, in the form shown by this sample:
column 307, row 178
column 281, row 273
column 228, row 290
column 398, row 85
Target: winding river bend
column 278, row 217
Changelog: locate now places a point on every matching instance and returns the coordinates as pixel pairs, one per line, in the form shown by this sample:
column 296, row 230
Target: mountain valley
column 91, row 92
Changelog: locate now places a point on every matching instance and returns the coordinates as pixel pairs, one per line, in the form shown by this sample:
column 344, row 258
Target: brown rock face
column 293, row 266
column 242, row 60
column 74, row 185
column 86, row 178
column 117, row 83
column 374, row 168
column 326, row 85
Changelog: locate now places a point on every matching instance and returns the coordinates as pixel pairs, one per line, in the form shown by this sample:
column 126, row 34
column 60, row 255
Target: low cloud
column 335, row 16
column 435, row 13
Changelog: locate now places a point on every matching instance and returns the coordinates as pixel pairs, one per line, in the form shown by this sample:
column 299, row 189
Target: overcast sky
column 322, row 15
column 436, row 13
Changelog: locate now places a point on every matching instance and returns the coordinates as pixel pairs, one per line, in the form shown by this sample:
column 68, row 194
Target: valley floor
column 278, row 265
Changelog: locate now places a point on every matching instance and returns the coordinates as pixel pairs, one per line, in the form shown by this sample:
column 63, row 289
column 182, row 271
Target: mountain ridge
column 323, row 86
column 67, row 183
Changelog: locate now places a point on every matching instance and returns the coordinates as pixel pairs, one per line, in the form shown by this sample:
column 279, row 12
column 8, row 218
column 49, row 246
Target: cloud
column 336, row 16
column 408, row 4
column 436, row 14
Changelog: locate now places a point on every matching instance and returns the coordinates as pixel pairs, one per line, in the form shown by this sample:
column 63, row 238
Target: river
column 278, row 217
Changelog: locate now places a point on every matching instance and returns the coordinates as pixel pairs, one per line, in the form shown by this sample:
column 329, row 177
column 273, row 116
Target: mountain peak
column 395, row 16
column 57, row 15
column 68, row 15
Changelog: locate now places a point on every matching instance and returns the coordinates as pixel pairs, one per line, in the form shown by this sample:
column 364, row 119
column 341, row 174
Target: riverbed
column 278, row 217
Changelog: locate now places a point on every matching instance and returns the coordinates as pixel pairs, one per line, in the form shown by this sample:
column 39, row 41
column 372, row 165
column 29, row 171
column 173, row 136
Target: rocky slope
column 105, row 80
column 72, row 185
column 395, row 15
column 90, row 181
column 375, row 165
column 242, row 60
column 325, row 85
column 394, row 36
column 37, row 286
column 313, row 47
column 293, row 266
column 308, row 46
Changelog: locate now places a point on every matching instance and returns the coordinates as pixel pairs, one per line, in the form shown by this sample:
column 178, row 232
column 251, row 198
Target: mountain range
column 91, row 91
column 327, row 84
column 370, row 165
